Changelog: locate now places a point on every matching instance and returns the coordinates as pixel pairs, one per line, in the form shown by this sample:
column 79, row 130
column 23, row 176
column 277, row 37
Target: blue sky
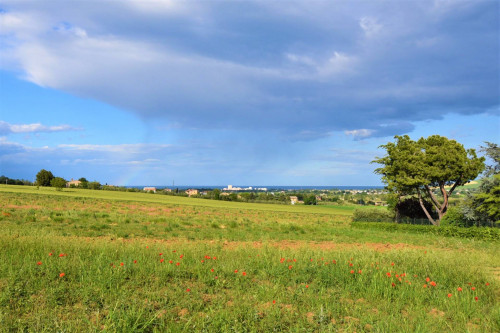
column 239, row 92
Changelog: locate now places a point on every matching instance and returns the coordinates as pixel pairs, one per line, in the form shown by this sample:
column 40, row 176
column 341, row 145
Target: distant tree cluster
column 10, row 181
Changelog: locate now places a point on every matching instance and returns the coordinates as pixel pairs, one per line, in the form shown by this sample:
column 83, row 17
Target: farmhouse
column 149, row 189
column 191, row 192
column 73, row 183
column 294, row 199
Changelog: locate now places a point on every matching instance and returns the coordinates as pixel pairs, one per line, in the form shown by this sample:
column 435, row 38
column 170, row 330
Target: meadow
column 77, row 260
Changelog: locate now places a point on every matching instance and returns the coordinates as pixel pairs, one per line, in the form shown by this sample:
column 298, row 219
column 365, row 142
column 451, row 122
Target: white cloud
column 360, row 133
column 6, row 128
column 370, row 26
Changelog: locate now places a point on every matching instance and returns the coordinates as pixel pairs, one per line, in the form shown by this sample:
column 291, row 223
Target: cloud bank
column 368, row 69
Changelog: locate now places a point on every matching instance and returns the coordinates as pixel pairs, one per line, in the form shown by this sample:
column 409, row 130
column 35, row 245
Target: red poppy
column 160, row 254
column 352, row 271
column 121, row 264
column 244, row 273
column 188, row 290
column 459, row 289
column 135, row 261
column 476, row 298
column 425, row 286
column 61, row 255
column 216, row 277
column 62, row 274
column 393, row 284
column 427, row 279
column 236, row 271
column 181, row 256
column 290, row 267
column 433, row 283
column 212, row 270
column 307, row 286
column 449, row 295
column 487, row 283
column 214, row 258
column 359, row 272
column 177, row 264
column 473, row 288
column 39, row 263
column 202, row 260
column 274, row 301
column 392, row 264
column 162, row 260
column 170, row 262
column 388, row 274
column 350, row 264
column 50, row 254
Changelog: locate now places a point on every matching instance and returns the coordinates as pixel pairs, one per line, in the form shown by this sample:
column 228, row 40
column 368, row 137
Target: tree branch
column 434, row 200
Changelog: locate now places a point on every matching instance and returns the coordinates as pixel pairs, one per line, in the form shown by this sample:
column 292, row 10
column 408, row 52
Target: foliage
column 479, row 233
column 415, row 167
column 310, row 199
column 43, row 177
column 94, row 185
column 488, row 202
column 373, row 215
column 411, row 207
column 58, row 183
column 84, row 182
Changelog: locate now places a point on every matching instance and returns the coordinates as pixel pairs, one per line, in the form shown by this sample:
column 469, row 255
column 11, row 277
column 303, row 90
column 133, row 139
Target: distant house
column 318, row 198
column 191, row 192
column 294, row 199
column 149, row 189
column 73, row 183
column 167, row 190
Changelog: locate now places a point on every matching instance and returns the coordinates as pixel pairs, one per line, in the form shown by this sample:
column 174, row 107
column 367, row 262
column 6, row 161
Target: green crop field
column 81, row 260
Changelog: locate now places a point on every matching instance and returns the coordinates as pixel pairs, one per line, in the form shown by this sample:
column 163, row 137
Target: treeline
column 11, row 181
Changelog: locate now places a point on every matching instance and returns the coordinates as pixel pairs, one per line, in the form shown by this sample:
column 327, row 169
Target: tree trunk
column 429, row 217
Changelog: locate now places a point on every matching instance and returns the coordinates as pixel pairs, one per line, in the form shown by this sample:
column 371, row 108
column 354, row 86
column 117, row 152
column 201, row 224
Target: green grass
column 305, row 269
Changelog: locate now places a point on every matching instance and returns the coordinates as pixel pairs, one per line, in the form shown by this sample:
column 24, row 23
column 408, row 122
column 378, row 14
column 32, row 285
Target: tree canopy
column 418, row 167
column 43, row 177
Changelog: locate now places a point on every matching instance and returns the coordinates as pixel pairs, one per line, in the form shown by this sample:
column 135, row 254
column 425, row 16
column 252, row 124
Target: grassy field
column 95, row 260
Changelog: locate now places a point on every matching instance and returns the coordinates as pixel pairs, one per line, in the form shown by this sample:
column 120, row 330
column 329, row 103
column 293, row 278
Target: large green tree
column 419, row 167
column 487, row 201
column 43, row 177
column 58, row 183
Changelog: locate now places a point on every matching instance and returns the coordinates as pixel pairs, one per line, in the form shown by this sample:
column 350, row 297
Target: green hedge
column 372, row 215
column 483, row 233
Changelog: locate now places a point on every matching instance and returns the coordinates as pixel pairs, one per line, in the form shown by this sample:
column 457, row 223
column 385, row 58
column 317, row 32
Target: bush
column 373, row 215
column 482, row 233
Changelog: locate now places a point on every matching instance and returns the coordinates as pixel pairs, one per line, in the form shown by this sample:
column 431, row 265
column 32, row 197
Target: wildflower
column 359, row 272
column 307, row 286
column 393, row 284
column 427, row 279
column 425, row 286
column 473, row 288
column 212, row 270
column 202, row 261
column 433, row 283
column 236, row 271
column 39, row 263
column 352, row 271
column 290, row 267
column 135, row 261
column 350, row 264
column 188, row 290
column 170, row 262
column 121, row 264
column 181, row 256
column 61, row 255
column 162, row 260
column 274, row 301
column 449, row 295
column 216, row 277
column 476, row 298
column 487, row 283
column 50, row 254
column 388, row 274
column 392, row 264
column 244, row 273
column 62, row 274
column 177, row 264
column 160, row 254
column 214, row 258
column 459, row 289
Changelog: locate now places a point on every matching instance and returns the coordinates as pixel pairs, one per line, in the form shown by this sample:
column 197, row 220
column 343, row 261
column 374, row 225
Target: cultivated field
column 81, row 260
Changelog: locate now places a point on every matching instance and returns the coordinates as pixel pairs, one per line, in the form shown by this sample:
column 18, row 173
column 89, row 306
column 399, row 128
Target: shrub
column 373, row 215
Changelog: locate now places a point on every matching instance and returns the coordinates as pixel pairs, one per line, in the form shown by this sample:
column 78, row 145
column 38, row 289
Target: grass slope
column 96, row 262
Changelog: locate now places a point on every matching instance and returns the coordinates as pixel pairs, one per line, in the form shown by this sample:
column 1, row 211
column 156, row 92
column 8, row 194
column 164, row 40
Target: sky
column 212, row 93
